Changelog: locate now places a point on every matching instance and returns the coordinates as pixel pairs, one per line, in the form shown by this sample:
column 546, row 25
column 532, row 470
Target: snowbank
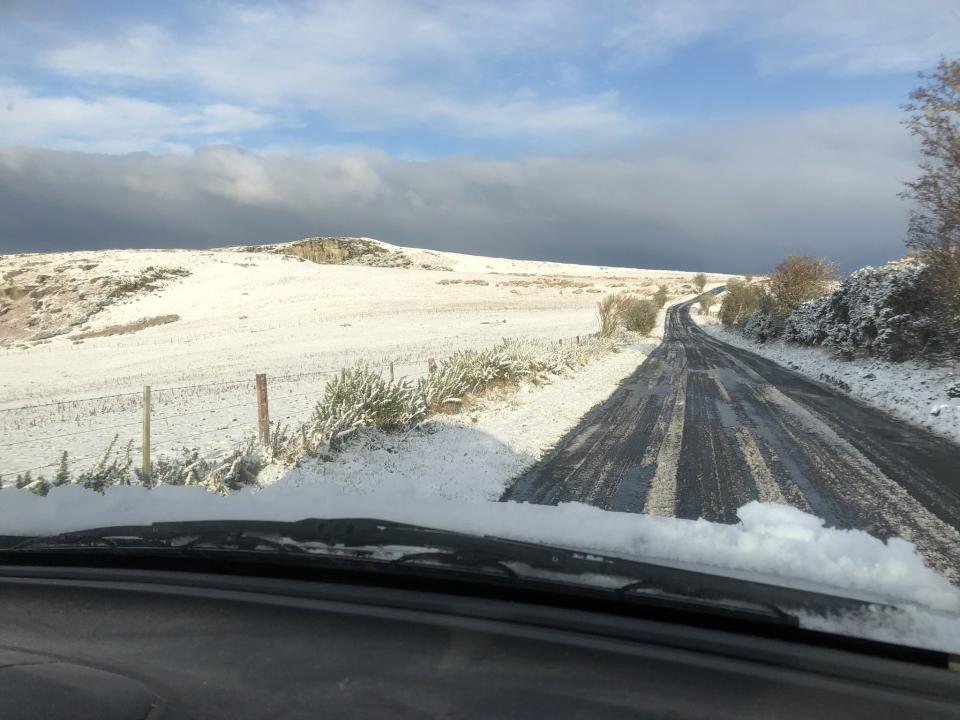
column 775, row 542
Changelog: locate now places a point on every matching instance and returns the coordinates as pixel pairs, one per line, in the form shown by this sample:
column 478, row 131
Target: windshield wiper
column 379, row 543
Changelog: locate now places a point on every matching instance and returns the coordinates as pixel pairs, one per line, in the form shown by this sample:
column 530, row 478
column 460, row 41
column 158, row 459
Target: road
column 702, row 427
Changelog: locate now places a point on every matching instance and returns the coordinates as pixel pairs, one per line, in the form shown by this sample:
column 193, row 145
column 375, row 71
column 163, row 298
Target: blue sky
column 445, row 120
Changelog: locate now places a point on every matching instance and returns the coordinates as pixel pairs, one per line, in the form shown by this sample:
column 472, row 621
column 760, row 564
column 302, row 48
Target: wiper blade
column 362, row 539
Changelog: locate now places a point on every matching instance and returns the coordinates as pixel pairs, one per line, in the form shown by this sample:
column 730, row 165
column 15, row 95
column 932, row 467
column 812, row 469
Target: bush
column 706, row 302
column 608, row 313
column 111, row 469
column 887, row 312
column 799, row 279
column 639, row 316
column 699, row 282
column 661, row 296
column 740, row 301
column 763, row 325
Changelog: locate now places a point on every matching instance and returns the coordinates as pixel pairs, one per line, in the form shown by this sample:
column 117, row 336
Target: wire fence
column 288, row 409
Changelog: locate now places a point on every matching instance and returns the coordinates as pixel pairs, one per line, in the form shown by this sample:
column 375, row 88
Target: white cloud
column 476, row 69
column 114, row 123
column 858, row 37
column 365, row 65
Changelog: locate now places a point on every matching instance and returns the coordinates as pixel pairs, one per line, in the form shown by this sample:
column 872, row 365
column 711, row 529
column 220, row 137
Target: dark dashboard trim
column 522, row 612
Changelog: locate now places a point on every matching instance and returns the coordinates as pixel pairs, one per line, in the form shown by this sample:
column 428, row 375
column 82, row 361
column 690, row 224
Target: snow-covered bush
column 882, row 311
column 470, row 372
column 359, row 397
column 467, row 373
column 231, row 471
column 762, row 326
column 113, row 468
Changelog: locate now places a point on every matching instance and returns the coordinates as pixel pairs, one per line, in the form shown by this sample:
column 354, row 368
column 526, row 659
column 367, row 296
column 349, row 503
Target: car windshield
column 675, row 285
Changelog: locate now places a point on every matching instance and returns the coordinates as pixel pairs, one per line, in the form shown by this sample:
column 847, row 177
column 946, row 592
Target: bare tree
column 934, row 229
column 699, row 282
column 798, row 279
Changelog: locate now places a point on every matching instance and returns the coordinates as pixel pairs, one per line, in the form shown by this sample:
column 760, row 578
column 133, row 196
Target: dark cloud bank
column 734, row 199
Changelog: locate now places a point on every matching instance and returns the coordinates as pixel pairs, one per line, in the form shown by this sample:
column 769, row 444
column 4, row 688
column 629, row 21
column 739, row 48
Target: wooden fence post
column 145, row 468
column 343, row 375
column 431, row 365
column 263, row 412
column 578, row 339
column 391, row 371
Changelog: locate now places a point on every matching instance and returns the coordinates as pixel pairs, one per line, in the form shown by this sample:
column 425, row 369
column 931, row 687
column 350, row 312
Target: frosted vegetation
column 636, row 314
column 360, row 397
column 886, row 312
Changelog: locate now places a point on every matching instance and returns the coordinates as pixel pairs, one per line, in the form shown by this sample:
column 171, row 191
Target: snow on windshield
column 771, row 542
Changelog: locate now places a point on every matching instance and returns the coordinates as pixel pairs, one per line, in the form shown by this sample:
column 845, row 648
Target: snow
column 243, row 313
column 772, row 542
column 910, row 390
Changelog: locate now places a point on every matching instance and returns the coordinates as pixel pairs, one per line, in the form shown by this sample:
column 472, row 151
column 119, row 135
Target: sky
column 691, row 135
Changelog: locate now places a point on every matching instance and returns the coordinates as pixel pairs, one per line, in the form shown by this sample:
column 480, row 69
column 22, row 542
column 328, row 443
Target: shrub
column 360, row 397
column 888, row 312
column 739, row 302
column 111, row 469
column 706, row 302
column 639, row 316
column 608, row 313
column 762, row 325
column 661, row 296
column 799, row 279
column 699, row 282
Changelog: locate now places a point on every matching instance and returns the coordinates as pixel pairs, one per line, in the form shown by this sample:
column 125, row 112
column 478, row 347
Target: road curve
column 702, row 427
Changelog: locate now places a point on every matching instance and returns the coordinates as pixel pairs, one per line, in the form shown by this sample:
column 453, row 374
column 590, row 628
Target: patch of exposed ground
column 45, row 296
column 128, row 328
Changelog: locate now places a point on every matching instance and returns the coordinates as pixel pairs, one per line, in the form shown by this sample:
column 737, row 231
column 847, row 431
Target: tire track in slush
column 701, row 428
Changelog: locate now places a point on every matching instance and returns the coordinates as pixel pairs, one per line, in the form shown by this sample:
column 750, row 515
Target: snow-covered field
column 241, row 313
column 910, row 390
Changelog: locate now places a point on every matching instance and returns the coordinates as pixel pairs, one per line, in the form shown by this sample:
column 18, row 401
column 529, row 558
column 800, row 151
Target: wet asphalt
column 702, row 427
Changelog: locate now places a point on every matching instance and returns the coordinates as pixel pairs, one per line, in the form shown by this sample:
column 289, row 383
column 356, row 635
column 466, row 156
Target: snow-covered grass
column 772, row 542
column 242, row 313
column 910, row 390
